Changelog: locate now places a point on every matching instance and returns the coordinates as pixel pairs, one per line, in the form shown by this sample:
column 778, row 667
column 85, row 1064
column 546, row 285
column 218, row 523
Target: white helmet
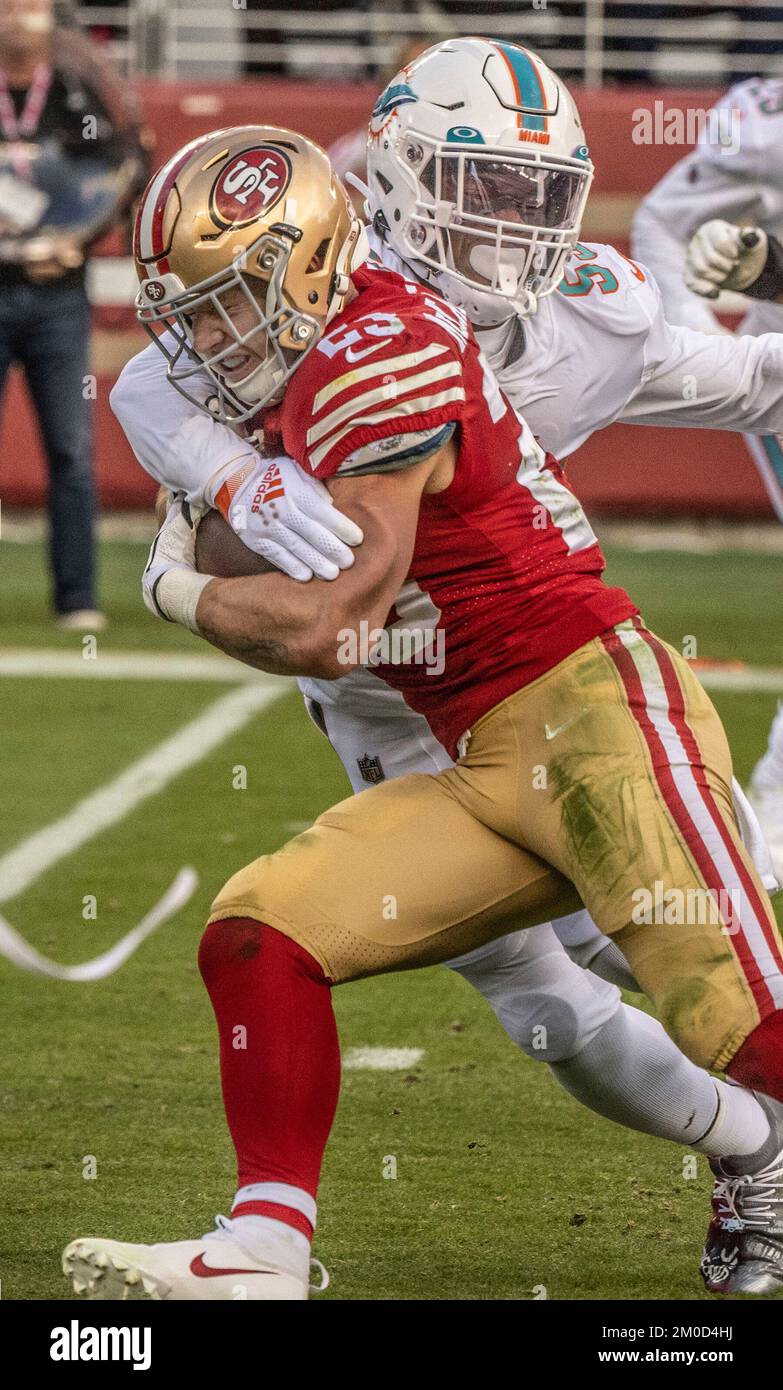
column 478, row 174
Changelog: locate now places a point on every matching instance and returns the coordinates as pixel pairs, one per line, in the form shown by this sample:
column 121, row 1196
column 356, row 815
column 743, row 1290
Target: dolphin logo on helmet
column 395, row 95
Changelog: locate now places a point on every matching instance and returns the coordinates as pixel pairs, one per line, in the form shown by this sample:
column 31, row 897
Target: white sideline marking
column 21, row 866
column 19, row 952
column 133, row 666
column 381, row 1058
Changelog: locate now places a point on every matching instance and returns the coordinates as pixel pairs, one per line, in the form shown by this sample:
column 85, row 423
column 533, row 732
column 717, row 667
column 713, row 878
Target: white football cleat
column 215, row 1267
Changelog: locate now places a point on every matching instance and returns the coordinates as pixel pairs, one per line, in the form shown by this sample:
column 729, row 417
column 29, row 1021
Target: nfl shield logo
column 371, row 769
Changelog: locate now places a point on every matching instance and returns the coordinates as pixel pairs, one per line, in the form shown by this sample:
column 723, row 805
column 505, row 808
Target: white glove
column 282, row 513
column 170, row 585
column 722, row 256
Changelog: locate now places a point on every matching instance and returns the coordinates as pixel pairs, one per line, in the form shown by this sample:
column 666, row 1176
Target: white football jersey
column 739, row 180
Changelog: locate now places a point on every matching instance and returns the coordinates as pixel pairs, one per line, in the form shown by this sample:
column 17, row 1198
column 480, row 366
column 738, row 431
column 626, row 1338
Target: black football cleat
column 743, row 1252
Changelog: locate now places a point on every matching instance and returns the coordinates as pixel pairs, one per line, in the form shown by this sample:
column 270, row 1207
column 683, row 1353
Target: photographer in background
column 70, row 163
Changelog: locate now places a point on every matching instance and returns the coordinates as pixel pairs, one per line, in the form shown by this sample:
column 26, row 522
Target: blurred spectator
column 70, row 162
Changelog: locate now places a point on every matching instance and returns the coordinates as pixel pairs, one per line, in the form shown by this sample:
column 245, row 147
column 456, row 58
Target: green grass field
column 504, row 1183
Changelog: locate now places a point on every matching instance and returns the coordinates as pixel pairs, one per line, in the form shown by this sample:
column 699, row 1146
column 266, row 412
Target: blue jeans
column 45, row 328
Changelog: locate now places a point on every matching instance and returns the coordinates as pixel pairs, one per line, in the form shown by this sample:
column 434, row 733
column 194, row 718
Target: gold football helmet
column 254, row 215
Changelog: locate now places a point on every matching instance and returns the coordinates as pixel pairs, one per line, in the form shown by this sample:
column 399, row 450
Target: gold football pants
column 608, row 780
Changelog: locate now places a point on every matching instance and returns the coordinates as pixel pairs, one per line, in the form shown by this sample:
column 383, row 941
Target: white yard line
column 196, row 666
column 763, row 680
column 23, row 864
column 382, row 1058
column 19, row 952
column 694, row 537
column 26, row 862
column 132, row 666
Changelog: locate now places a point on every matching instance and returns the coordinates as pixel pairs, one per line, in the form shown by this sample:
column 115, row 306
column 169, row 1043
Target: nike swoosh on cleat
column 203, row 1271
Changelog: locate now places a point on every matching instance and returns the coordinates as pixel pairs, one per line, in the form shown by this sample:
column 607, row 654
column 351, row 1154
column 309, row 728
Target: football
column 219, row 551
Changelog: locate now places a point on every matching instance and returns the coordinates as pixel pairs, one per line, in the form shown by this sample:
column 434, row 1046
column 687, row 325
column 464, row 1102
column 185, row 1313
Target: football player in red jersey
column 590, row 763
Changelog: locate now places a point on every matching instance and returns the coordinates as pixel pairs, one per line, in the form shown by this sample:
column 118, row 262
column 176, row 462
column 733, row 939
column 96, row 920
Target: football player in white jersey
column 577, row 357
column 729, row 199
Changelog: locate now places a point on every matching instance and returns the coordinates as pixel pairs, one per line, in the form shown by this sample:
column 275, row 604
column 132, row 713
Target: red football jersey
column 505, row 580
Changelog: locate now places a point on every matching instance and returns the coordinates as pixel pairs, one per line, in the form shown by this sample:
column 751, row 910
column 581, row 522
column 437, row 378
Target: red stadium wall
column 179, row 111
column 622, row 470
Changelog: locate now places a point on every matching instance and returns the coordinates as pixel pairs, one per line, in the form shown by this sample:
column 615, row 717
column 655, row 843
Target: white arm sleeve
column 711, row 382
column 178, row 444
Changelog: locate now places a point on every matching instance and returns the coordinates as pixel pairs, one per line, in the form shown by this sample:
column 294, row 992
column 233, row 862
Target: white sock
column 631, row 1072
column 740, row 1126
column 266, row 1238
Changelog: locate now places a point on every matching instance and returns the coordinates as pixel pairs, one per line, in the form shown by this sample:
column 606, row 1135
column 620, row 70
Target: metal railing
column 597, row 42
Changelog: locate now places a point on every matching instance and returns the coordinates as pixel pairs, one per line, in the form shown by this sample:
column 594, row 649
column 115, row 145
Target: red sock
column 759, row 1062
column 279, row 1051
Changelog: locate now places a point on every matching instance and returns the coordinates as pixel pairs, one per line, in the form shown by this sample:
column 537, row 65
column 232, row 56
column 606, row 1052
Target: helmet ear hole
column 319, row 258
column 427, row 176
column 380, row 224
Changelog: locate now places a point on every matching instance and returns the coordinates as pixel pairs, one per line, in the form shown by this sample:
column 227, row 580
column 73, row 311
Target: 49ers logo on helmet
column 249, row 185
